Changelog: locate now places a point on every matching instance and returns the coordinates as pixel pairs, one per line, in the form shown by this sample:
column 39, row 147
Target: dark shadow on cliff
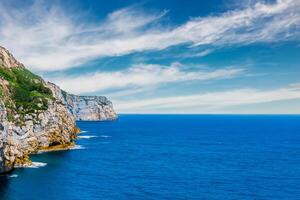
column 4, row 183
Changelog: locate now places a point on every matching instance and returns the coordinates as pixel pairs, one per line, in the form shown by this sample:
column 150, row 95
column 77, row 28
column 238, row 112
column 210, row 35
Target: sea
column 169, row 157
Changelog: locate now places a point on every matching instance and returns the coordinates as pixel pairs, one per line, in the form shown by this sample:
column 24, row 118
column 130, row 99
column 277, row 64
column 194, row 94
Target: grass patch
column 27, row 90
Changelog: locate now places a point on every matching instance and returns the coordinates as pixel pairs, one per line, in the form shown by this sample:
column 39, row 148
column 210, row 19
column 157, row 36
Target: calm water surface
column 169, row 157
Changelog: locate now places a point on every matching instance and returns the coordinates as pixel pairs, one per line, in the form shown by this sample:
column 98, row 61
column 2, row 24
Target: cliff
column 88, row 108
column 38, row 116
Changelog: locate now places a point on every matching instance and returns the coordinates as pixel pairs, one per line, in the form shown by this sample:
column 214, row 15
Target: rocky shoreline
column 37, row 116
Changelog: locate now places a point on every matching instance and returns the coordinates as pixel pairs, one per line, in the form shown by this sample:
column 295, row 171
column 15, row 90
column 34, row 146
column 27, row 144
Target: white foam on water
column 86, row 136
column 37, row 165
column 13, row 176
column 33, row 165
column 82, row 132
column 76, row 147
column 105, row 136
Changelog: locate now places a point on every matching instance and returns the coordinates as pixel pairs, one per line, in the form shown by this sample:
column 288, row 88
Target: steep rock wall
column 31, row 117
column 89, row 108
column 38, row 116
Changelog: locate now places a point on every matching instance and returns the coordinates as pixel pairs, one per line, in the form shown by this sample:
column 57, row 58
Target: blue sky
column 151, row 56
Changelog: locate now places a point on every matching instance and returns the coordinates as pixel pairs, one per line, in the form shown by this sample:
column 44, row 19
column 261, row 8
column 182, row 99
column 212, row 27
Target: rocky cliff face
column 38, row 116
column 31, row 116
column 89, row 108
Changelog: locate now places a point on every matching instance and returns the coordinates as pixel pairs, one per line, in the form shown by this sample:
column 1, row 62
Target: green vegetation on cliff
column 27, row 91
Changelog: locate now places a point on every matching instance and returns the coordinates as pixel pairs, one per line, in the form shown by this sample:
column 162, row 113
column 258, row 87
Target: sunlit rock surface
column 37, row 116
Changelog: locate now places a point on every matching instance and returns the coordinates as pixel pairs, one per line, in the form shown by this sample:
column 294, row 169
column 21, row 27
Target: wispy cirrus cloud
column 209, row 102
column 141, row 75
column 48, row 38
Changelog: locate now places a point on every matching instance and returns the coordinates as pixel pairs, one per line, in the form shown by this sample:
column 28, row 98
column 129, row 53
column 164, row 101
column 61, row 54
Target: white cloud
column 50, row 39
column 140, row 75
column 209, row 102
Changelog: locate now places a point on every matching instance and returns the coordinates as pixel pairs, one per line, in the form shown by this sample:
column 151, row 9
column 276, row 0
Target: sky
column 170, row 56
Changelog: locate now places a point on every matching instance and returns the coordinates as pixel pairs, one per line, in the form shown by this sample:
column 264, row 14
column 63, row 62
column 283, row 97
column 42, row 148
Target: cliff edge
column 87, row 108
column 38, row 116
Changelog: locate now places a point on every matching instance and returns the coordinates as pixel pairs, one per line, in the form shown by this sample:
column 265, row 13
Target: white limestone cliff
column 87, row 108
column 46, row 122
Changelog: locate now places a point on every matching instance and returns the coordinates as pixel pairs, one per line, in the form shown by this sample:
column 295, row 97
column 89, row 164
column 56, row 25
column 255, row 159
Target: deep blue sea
column 169, row 157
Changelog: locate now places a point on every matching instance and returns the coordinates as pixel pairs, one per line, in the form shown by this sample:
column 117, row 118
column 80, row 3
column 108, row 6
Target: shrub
column 28, row 90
